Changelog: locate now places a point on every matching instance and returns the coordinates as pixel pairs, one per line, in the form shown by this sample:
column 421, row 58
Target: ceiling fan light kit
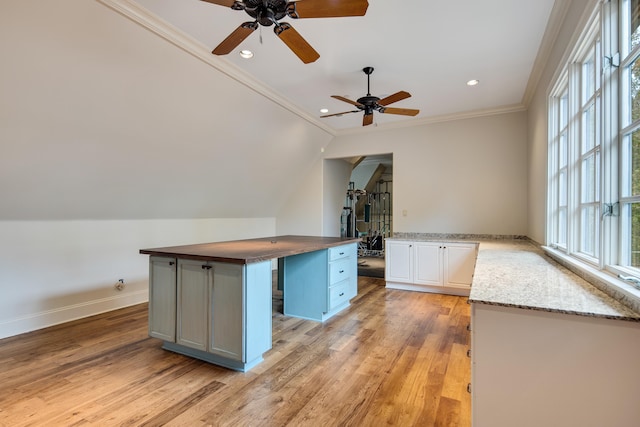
column 370, row 103
column 270, row 12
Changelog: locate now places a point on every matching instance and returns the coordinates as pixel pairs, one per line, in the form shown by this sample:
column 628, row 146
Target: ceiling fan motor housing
column 266, row 12
column 368, row 101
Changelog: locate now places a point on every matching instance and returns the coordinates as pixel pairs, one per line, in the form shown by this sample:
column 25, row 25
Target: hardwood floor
column 393, row 358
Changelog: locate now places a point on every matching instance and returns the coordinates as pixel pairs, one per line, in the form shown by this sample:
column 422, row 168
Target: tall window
column 630, row 136
column 594, row 144
column 575, row 152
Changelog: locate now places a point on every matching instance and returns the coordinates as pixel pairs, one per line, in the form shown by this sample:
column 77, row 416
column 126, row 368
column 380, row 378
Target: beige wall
column 463, row 176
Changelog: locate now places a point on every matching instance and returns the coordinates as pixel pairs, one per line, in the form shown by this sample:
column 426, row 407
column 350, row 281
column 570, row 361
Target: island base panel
column 236, row 365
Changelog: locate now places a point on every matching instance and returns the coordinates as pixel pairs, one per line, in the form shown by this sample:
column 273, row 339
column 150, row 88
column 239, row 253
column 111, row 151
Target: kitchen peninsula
column 547, row 347
column 212, row 301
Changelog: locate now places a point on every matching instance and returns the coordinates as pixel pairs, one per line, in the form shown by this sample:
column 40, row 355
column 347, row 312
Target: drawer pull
column 206, row 267
column 341, row 271
column 341, row 253
column 171, row 262
column 341, row 294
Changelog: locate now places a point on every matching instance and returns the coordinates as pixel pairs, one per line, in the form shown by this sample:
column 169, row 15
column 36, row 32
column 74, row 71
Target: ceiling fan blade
column 367, row 119
column 398, row 96
column 296, row 43
column 347, row 100
column 339, row 114
column 227, row 3
column 401, row 111
column 235, row 38
column 328, row 8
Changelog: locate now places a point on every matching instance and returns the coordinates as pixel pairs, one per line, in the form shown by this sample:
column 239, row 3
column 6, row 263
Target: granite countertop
column 516, row 273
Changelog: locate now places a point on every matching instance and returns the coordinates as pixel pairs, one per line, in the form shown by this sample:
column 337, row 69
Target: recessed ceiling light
column 324, row 110
column 473, row 82
column 246, row 54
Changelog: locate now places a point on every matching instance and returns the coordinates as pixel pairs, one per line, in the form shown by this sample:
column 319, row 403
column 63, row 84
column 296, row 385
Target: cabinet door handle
column 469, row 353
column 171, row 262
column 341, row 271
column 206, row 267
column 341, row 294
column 341, row 253
column 468, row 326
column 469, row 388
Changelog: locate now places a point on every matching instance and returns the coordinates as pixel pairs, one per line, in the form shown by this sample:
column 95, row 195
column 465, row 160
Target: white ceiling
column 427, row 48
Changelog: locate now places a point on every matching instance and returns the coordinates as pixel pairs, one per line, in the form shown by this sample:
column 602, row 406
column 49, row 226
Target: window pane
column 634, row 89
column 588, row 234
column 635, row 235
column 563, row 112
column 588, row 129
column 635, row 22
column 635, row 164
column 562, row 226
column 562, row 188
column 588, row 78
column 562, row 151
column 588, row 181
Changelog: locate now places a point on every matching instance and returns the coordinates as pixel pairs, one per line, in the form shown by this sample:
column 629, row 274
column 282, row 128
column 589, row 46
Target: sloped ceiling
column 102, row 119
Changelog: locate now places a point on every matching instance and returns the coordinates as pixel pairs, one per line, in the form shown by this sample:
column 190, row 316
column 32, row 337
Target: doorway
column 367, row 212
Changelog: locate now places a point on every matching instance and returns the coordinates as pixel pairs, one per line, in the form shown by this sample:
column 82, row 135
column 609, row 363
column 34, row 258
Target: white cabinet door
column 226, row 311
column 428, row 263
column 162, row 298
column 459, row 264
column 194, row 279
column 399, row 261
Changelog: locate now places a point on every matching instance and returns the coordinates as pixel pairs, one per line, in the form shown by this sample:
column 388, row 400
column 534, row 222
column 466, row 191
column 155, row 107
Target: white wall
column 113, row 139
column 537, row 118
column 102, row 119
column 56, row 271
column 463, row 176
column 336, row 176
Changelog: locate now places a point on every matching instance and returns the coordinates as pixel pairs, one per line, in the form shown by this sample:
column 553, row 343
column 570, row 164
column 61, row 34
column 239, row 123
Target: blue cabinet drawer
column 339, row 294
column 339, row 252
column 339, row 270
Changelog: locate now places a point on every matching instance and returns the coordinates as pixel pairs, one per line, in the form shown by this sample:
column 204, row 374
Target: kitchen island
column 212, row 301
column 547, row 347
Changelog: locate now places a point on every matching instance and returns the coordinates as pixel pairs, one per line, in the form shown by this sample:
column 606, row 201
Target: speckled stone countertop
column 516, row 273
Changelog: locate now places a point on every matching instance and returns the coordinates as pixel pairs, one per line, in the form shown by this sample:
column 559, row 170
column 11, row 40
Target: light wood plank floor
column 393, row 358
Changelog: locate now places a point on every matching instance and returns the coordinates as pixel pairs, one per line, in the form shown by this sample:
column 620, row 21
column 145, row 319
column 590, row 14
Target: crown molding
column 178, row 38
column 554, row 25
column 435, row 119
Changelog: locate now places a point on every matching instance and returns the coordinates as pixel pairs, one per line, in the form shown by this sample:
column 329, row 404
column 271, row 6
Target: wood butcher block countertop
column 250, row 250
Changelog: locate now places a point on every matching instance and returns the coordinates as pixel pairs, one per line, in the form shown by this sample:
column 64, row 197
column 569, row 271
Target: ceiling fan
column 370, row 103
column 269, row 12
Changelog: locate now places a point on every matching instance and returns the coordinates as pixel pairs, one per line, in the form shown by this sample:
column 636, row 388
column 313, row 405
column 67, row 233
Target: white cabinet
column 532, row 368
column 429, row 269
column 428, row 266
column 399, row 261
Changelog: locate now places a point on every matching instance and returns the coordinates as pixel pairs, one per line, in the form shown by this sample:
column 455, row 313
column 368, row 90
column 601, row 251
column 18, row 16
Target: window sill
column 618, row 289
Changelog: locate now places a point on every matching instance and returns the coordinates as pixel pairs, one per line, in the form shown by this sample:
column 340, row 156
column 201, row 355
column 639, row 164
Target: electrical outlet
column 119, row 285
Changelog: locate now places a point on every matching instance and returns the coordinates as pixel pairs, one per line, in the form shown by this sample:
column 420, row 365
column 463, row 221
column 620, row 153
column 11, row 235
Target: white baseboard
column 449, row 290
column 56, row 316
